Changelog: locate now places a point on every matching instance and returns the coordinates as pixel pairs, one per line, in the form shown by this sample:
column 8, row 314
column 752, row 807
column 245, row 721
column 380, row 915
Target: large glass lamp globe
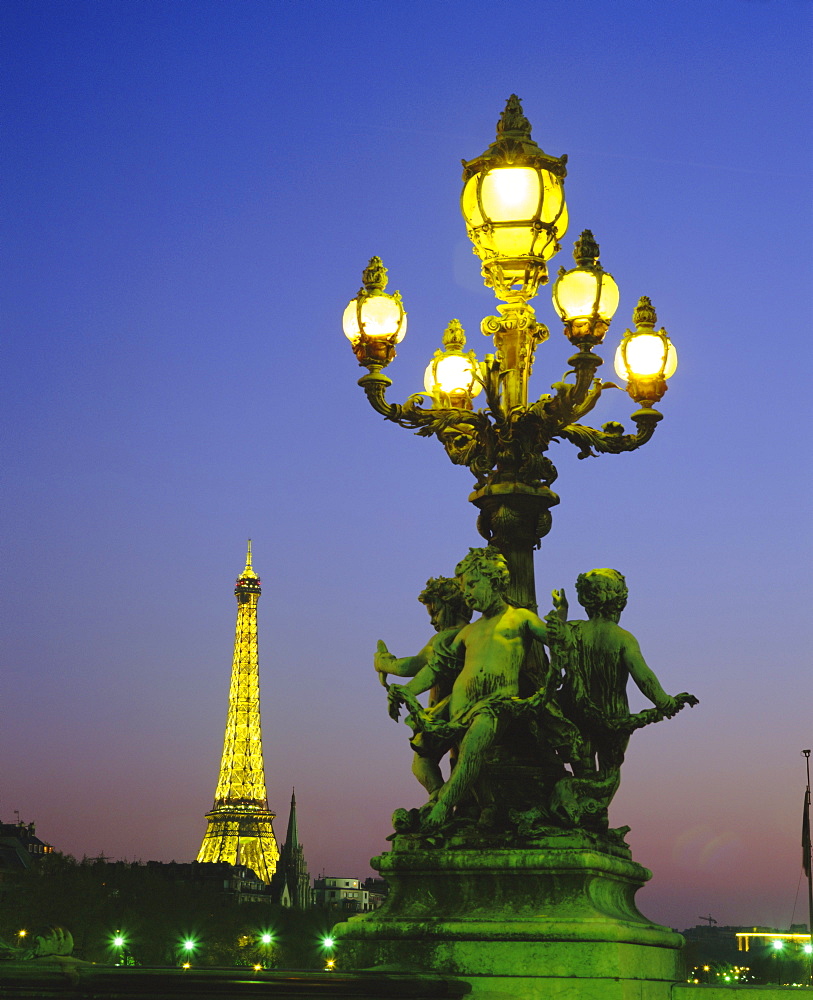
column 514, row 205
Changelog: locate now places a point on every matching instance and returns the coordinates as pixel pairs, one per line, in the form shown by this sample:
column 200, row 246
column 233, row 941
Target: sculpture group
column 531, row 713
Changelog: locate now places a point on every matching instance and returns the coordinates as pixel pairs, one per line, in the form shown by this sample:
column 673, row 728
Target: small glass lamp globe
column 586, row 297
column 374, row 321
column 451, row 377
column 645, row 359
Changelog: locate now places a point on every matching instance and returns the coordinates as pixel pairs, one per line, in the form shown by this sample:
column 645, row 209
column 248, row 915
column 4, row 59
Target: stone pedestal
column 555, row 918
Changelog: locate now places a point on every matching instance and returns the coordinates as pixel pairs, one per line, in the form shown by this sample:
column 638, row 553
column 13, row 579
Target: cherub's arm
column 443, row 657
column 444, row 652
column 647, row 682
column 406, row 666
column 534, row 626
column 550, row 628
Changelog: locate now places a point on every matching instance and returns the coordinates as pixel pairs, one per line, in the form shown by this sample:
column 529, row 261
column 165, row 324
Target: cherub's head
column 483, row 574
column 602, row 593
column 445, row 602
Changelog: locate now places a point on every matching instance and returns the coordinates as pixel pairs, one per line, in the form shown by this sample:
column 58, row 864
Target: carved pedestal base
column 556, row 919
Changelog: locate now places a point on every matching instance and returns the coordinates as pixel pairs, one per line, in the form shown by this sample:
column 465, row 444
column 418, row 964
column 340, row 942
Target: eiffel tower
column 240, row 828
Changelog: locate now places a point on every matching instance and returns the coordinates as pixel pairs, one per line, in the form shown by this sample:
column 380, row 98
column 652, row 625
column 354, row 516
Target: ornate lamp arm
column 466, row 435
column 611, row 439
column 375, row 387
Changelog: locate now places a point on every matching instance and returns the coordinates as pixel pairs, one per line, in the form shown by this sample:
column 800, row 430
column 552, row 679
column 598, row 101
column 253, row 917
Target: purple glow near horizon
column 191, row 195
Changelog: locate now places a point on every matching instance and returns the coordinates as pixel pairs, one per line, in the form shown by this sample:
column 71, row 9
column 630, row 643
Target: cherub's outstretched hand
column 680, row 701
column 560, row 603
column 382, row 661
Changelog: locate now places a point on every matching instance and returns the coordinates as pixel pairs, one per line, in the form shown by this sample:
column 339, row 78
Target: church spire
column 292, row 883
column 291, row 836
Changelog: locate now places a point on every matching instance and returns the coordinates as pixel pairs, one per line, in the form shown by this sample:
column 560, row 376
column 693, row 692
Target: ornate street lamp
column 514, row 207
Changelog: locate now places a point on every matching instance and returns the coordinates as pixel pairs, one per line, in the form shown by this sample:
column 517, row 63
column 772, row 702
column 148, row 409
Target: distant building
column 347, row 894
column 20, row 848
column 378, row 889
column 725, row 955
column 291, row 884
column 25, row 835
column 238, row 881
column 797, row 935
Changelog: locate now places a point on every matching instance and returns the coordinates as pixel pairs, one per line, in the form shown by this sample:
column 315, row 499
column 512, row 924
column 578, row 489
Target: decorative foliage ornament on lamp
column 513, row 202
column 645, row 359
column 452, row 376
column 586, row 297
column 374, row 321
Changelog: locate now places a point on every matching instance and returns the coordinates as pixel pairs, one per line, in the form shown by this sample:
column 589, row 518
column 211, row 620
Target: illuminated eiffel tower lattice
column 240, row 828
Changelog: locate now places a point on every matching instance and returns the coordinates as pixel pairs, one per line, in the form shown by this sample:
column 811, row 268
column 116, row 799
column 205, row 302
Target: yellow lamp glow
column 646, row 355
column 374, row 321
column 513, row 204
column 586, row 297
column 374, row 316
column 451, row 376
column 645, row 358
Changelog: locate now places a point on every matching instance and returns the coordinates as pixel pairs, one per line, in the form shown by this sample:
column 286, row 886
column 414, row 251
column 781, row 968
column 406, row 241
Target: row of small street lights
column 189, row 945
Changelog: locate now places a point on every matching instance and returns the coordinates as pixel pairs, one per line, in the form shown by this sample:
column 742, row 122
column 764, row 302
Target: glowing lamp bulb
column 118, row 941
column 808, row 949
column 266, row 938
column 645, row 359
column 581, row 293
column 376, row 316
column 777, row 945
column 510, row 194
column 453, row 375
column 646, row 355
column 327, row 942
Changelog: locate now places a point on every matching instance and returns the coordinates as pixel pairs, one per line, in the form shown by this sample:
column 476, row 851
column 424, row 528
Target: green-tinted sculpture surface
column 448, row 612
column 535, row 740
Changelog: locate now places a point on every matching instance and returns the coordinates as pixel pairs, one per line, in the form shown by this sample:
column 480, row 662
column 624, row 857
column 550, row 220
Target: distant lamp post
column 374, row 321
column 452, row 377
column 118, row 941
column 265, row 940
column 514, row 207
column 777, row 946
column 645, row 359
column 188, row 946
